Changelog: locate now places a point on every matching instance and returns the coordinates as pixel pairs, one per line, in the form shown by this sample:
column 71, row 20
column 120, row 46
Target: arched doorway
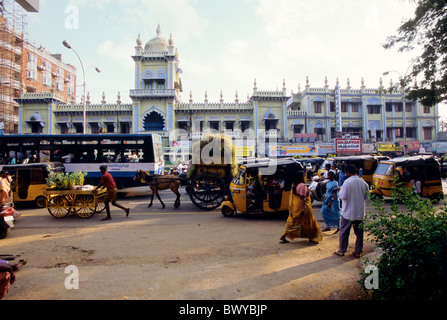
column 153, row 121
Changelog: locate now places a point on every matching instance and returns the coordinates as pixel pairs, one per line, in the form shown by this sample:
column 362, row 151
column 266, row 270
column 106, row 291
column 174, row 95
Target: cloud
column 116, row 53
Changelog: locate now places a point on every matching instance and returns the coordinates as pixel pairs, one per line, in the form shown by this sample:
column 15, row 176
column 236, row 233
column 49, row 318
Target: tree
column 411, row 236
column 428, row 30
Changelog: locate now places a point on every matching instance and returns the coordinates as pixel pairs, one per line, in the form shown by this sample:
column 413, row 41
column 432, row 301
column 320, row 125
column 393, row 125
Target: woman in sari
column 301, row 222
column 330, row 210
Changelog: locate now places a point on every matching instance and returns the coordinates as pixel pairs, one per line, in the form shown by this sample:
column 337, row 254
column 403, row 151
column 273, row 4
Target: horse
column 160, row 182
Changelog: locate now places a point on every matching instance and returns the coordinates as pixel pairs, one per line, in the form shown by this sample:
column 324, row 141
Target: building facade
column 25, row 68
column 312, row 118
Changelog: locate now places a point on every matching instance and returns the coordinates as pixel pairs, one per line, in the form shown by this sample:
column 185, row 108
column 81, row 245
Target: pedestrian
column 342, row 175
column 68, row 158
column 112, row 192
column 301, row 222
column 330, row 210
column 353, row 194
column 5, row 188
column 327, row 167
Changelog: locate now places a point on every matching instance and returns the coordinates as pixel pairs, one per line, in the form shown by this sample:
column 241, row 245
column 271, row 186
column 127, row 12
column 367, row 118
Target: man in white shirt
column 353, row 193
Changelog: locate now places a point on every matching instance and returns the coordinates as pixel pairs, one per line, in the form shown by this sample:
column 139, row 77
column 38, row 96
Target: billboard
column 348, row 145
column 305, row 137
column 290, row 151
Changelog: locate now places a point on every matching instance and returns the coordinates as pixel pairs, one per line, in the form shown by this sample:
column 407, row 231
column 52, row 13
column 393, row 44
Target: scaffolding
column 12, row 36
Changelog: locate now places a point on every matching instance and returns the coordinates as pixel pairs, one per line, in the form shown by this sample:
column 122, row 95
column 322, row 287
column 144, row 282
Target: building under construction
column 25, row 67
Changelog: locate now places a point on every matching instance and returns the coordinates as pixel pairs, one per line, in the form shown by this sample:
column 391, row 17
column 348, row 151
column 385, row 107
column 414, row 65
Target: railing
column 152, row 93
column 297, row 113
column 273, row 133
column 93, row 107
column 213, row 106
column 41, row 95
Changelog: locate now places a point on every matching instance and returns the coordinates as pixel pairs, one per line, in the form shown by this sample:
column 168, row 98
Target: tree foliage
column 426, row 30
column 412, row 238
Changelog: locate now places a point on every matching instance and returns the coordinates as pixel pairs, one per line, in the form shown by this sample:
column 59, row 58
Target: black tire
column 3, row 230
column 436, row 197
column 207, row 191
column 227, row 211
column 375, row 196
column 40, row 202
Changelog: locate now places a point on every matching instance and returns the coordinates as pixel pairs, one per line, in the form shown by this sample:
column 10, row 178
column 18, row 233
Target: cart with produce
column 67, row 194
column 82, row 202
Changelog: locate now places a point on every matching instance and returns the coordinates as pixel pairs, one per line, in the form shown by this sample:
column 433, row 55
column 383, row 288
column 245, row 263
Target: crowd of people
column 343, row 208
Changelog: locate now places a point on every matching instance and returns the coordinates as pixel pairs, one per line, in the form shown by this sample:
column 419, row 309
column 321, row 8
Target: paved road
column 183, row 253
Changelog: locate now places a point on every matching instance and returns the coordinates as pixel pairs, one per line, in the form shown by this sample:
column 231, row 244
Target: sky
column 224, row 45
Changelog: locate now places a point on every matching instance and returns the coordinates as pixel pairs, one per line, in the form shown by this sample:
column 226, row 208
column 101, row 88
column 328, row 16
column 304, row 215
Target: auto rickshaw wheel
column 40, row 202
column 436, row 197
column 375, row 196
column 227, row 211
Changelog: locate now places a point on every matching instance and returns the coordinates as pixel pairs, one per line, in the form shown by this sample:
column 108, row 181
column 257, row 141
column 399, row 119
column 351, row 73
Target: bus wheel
column 227, row 211
column 40, row 202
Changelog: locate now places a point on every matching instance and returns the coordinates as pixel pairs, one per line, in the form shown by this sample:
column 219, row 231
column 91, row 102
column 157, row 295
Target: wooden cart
column 209, row 185
column 80, row 202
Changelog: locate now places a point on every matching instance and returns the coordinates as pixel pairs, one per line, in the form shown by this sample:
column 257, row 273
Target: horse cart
column 209, row 185
column 83, row 203
column 206, row 185
column 206, row 182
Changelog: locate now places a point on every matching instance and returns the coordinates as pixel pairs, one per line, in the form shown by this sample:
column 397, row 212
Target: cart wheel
column 58, row 207
column 100, row 206
column 207, row 191
column 227, row 211
column 84, row 206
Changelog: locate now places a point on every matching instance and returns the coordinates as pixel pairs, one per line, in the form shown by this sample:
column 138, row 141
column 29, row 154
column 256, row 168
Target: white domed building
column 308, row 119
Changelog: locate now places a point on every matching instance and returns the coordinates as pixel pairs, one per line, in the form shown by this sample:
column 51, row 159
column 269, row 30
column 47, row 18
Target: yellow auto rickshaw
column 421, row 173
column 28, row 181
column 262, row 186
column 322, row 168
column 311, row 166
column 366, row 164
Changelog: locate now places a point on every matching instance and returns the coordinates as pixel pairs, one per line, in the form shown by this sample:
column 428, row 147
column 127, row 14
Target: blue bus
column 124, row 154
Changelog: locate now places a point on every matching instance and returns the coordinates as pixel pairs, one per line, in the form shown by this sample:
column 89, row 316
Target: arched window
column 153, row 122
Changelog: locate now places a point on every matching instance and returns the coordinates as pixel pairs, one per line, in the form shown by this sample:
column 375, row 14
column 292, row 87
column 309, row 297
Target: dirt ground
column 177, row 257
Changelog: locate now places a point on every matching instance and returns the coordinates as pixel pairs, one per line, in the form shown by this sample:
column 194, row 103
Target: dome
column 36, row 117
column 157, row 44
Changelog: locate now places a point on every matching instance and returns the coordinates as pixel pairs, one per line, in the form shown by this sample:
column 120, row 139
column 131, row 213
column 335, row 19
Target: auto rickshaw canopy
column 419, row 160
column 288, row 165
